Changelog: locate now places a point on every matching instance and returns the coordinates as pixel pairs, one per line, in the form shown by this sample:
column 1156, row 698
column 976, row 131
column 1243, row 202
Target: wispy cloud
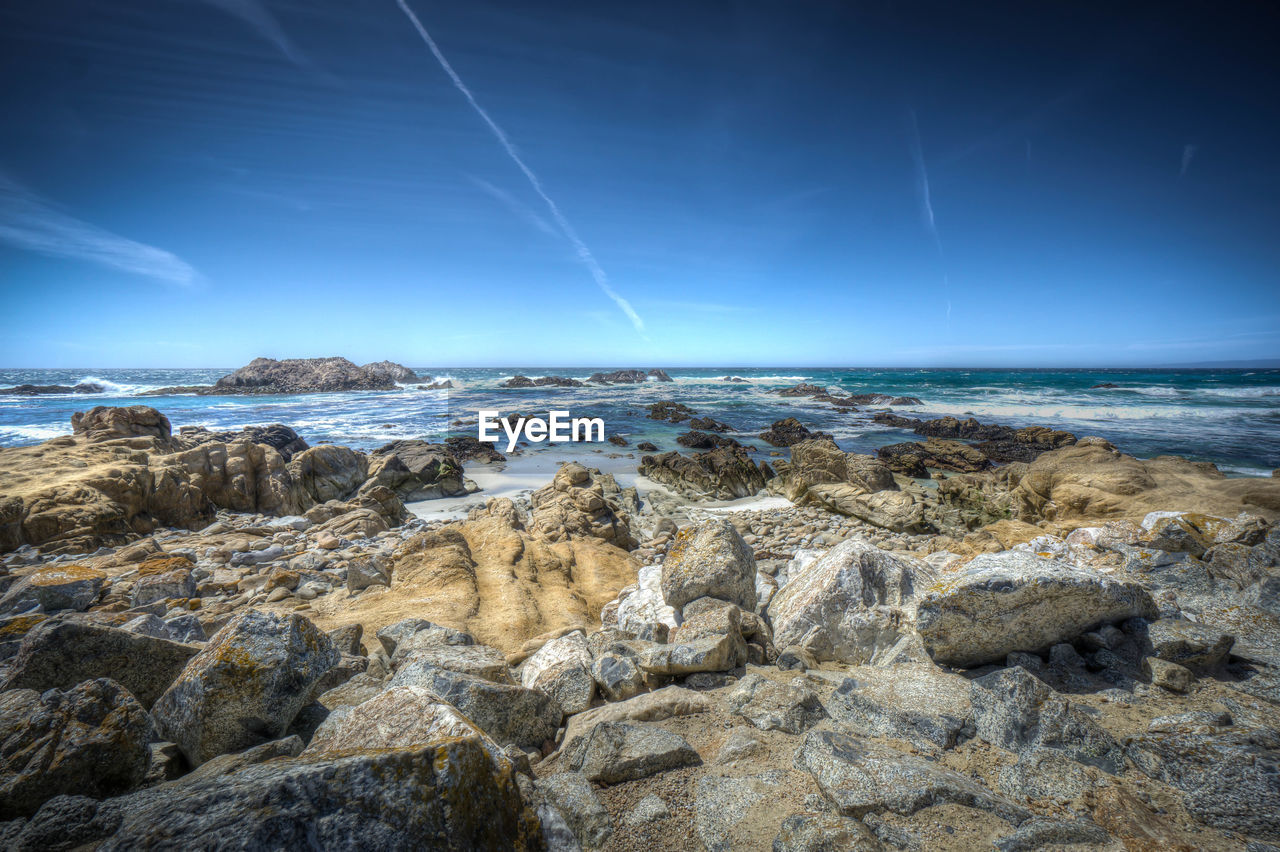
column 926, row 205
column 515, row 206
column 29, row 222
column 584, row 254
column 1188, row 154
column 261, row 21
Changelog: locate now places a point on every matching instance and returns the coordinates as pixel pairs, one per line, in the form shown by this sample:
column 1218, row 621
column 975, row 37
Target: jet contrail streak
column 926, row 204
column 584, row 253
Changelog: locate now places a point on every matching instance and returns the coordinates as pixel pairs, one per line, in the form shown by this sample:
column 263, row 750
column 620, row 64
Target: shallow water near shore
column 1230, row 417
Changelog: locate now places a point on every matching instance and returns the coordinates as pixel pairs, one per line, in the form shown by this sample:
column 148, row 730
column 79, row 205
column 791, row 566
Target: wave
column 10, row 434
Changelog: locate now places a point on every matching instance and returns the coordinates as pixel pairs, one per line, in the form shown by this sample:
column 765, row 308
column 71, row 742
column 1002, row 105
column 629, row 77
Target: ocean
column 1229, row 417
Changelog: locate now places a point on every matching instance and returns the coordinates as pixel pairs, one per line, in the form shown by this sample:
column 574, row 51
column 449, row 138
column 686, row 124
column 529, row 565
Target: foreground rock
column 709, row 561
column 453, row 793
column 850, row 605
column 1001, row 603
column 89, row 741
column 246, row 686
column 61, row 653
column 613, row 752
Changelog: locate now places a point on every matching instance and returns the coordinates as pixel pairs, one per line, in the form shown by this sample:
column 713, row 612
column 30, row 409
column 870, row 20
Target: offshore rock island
column 741, row 635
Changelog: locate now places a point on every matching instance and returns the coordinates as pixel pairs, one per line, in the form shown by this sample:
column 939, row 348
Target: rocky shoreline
column 1062, row 647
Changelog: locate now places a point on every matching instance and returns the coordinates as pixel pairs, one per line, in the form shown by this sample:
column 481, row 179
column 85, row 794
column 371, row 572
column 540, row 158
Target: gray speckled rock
column 452, row 793
column 562, row 669
column 477, row 660
column 713, row 653
column 917, row 702
column 393, row 635
column 60, row 653
column 398, row 717
column 824, row 833
column 721, row 803
column 647, row 810
column 1044, row 773
column 614, row 752
column 1230, row 778
column 793, row 707
column 90, row 740
column 1038, row 833
column 860, row 777
column 576, row 799
column 710, row 560
column 618, row 675
column 1013, row 601
column 509, row 714
column 1188, row 644
column 246, row 686
column 848, row 605
column 1015, row 710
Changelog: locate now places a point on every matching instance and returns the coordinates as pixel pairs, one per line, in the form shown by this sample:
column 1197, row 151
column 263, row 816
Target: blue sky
column 199, row 182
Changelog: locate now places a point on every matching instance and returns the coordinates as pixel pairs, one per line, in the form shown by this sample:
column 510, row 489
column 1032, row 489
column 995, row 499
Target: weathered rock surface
column 613, row 752
column 580, row 502
column 61, row 653
column 507, row 713
column 576, row 799
column 914, row 459
column 710, row 560
column 792, row 708
column 789, row 431
column 861, row 777
column 70, row 587
column 90, row 740
column 849, row 604
column 725, row 473
column 454, row 793
column 495, row 580
column 917, row 702
column 245, row 686
column 311, row 375
column 1011, row 601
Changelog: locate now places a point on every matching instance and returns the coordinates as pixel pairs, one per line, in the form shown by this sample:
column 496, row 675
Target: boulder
column 860, row 777
column 1015, row 710
column 790, row 431
column 397, row 717
column 90, row 740
column 391, row 371
column 849, row 605
column 614, row 752
column 1015, row 601
column 417, row 470
column 414, row 656
column 509, row 714
column 725, row 473
column 819, row 832
column 577, row 503
column 104, row 423
column 562, row 669
column 329, row 472
column 792, row 708
column 453, row 792
column 54, row 588
column 1188, row 644
column 896, row 511
column 245, row 686
column 576, row 799
column 917, row 702
column 60, row 653
column 665, row 703
column 710, row 560
column 915, row 459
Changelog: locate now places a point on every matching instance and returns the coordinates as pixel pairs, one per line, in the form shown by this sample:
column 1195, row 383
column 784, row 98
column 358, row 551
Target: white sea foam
column 10, row 434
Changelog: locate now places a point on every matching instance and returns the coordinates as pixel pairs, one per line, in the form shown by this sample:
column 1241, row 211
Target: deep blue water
column 1231, row 417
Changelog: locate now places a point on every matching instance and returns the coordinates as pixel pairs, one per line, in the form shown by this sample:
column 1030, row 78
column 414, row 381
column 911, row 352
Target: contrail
column 926, row 206
column 584, row 253
column 1188, row 153
column 922, row 181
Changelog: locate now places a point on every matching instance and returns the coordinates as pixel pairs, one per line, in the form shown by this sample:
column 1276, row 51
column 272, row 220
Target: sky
column 201, row 182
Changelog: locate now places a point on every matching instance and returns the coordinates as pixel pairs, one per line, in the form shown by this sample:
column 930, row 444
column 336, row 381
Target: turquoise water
column 1231, row 417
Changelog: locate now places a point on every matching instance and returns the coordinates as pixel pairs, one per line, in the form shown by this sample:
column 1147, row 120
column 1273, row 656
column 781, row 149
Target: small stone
column 1170, row 676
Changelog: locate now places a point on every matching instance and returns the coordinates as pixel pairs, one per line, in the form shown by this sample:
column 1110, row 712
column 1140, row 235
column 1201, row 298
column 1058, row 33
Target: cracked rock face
column 245, row 686
column 1005, row 602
